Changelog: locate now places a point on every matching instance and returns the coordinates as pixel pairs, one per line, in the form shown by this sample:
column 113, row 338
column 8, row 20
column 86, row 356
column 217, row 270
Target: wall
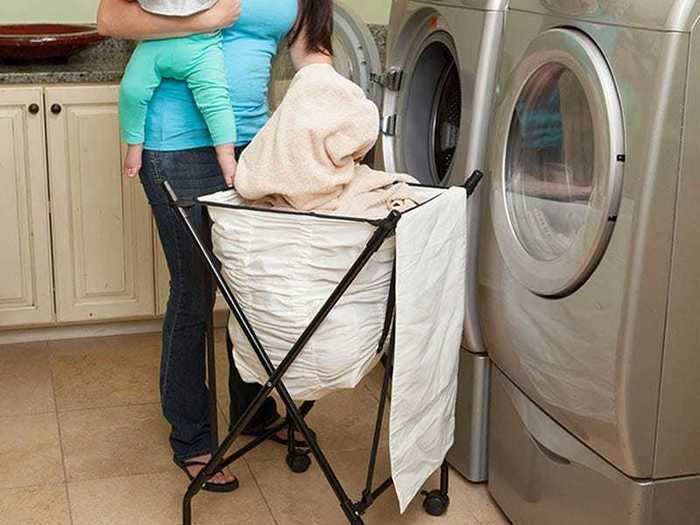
column 12, row 11
column 47, row 10
column 372, row 11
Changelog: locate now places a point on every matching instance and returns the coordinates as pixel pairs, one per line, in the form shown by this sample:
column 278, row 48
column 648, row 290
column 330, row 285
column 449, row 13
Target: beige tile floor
column 82, row 442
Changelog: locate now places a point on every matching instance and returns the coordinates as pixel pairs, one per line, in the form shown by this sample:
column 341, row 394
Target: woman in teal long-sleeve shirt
column 178, row 148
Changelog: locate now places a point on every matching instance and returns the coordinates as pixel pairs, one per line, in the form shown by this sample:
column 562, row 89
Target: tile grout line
column 252, row 473
column 224, row 417
column 60, row 443
column 260, row 490
column 29, row 414
column 106, row 407
column 371, row 392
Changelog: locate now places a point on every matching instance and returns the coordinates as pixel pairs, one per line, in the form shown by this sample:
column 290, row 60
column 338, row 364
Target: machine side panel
column 678, row 442
column 482, row 116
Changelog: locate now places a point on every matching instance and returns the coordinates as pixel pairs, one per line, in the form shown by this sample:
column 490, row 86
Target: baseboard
column 57, row 333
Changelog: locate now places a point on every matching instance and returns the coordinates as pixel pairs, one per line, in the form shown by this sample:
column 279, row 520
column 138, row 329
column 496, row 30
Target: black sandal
column 229, row 486
column 258, row 430
column 299, row 443
column 277, row 422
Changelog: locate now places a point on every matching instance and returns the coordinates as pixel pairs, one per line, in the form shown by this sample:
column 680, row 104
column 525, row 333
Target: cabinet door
column 25, row 258
column 102, row 232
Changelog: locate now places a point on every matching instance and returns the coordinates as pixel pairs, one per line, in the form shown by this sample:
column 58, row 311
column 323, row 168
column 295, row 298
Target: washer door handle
column 550, row 454
column 473, row 182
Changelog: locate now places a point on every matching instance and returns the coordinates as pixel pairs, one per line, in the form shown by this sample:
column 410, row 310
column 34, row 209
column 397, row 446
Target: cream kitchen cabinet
column 79, row 242
column 26, row 294
column 101, row 223
column 77, row 238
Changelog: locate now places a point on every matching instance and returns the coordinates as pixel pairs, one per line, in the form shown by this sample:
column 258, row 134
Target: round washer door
column 355, row 56
column 557, row 164
column 430, row 109
column 424, row 114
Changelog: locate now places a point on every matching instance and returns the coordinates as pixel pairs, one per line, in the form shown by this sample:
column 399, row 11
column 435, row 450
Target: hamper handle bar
column 171, row 192
column 174, row 199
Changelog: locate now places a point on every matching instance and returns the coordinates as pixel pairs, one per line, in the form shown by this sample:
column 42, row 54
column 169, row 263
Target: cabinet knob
column 56, row 109
column 33, row 108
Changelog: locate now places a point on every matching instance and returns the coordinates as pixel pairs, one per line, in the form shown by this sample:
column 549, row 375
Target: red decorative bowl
column 35, row 42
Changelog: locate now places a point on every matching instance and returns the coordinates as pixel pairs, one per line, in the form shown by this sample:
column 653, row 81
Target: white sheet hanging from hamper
column 431, row 260
column 282, row 268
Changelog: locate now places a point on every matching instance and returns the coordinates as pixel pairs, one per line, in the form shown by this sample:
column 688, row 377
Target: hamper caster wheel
column 298, row 463
column 436, row 503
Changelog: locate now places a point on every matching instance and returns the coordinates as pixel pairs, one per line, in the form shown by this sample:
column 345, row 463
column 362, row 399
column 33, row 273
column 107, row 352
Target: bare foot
column 219, row 478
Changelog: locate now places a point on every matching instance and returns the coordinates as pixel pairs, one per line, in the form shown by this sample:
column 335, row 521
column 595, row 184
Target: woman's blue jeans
column 183, row 390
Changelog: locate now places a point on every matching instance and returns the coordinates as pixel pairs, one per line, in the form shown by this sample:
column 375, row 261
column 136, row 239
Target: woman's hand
column 126, row 19
column 226, row 155
column 132, row 160
column 224, row 13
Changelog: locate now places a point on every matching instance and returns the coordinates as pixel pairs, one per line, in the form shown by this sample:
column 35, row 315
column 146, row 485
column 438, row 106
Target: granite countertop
column 102, row 63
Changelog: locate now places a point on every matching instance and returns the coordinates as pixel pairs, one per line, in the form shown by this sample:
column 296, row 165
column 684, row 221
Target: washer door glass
column 558, row 163
column 447, row 115
column 550, row 157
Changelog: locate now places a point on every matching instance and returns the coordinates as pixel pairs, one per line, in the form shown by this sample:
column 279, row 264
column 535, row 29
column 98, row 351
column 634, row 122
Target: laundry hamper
column 312, row 298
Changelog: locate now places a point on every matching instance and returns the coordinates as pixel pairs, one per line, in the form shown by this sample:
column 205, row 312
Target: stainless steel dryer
column 439, row 87
column 589, row 283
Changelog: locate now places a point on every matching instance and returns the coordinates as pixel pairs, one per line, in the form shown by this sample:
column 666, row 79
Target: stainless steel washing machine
column 589, row 284
column 439, row 87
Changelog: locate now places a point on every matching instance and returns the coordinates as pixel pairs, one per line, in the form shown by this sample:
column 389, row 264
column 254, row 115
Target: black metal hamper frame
column 436, row 501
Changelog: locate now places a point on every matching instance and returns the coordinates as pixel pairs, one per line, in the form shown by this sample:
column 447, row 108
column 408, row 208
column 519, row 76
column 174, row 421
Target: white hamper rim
column 230, row 199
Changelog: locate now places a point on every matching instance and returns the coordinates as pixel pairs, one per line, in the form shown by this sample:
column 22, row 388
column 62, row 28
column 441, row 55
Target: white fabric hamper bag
column 282, row 267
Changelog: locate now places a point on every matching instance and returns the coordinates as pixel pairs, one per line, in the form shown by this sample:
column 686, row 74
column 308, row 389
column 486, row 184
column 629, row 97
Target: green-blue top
column 174, row 122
